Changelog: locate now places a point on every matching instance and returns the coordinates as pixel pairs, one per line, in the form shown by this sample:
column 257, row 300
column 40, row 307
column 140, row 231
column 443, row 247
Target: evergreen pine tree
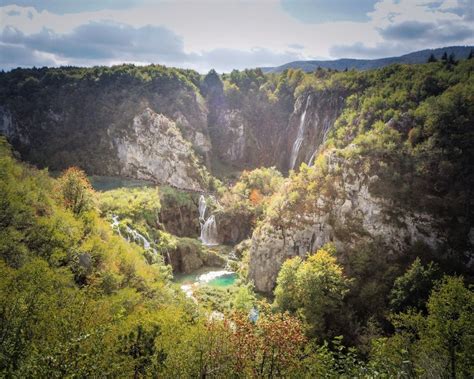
column 432, row 58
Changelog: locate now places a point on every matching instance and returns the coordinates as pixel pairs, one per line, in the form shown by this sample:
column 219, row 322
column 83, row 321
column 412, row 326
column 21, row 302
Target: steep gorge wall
column 145, row 130
column 268, row 135
column 343, row 211
column 106, row 127
column 313, row 117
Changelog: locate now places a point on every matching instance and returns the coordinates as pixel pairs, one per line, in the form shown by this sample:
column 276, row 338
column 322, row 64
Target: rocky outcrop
column 234, row 228
column 351, row 214
column 180, row 221
column 247, row 136
column 233, row 129
column 191, row 255
column 153, row 149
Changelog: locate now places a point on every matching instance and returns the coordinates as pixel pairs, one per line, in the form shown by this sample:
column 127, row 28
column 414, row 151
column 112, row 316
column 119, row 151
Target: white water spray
column 209, row 235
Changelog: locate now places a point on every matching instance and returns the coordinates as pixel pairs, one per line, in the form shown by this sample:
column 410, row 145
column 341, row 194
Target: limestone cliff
column 100, row 125
column 73, row 120
column 153, row 148
column 343, row 211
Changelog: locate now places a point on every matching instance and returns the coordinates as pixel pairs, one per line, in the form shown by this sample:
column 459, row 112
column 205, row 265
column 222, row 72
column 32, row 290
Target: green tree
column 450, row 325
column 244, row 299
column 452, row 58
column 432, row 58
column 287, row 286
column 441, row 343
column 412, row 289
column 318, row 290
column 139, row 344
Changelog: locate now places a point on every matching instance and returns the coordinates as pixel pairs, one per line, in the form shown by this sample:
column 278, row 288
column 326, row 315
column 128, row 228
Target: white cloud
column 241, row 33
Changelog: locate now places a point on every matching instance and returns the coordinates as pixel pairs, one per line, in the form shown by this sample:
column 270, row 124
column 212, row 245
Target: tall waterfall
column 209, row 234
column 202, row 208
column 299, row 138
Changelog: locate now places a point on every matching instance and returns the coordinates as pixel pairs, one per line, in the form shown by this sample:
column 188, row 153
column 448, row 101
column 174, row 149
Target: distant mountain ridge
column 461, row 52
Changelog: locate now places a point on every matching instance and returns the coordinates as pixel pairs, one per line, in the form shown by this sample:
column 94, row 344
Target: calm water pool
column 212, row 276
column 107, row 183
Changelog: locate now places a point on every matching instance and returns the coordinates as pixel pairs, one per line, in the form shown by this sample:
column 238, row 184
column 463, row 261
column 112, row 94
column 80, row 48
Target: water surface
column 212, row 276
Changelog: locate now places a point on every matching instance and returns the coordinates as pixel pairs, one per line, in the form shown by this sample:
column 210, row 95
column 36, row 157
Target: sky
column 224, row 34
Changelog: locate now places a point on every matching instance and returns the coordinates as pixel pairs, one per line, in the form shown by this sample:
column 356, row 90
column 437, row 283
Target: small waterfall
column 138, row 238
column 209, row 232
column 321, row 140
column 132, row 235
column 299, row 138
column 115, row 224
column 208, row 226
column 311, row 159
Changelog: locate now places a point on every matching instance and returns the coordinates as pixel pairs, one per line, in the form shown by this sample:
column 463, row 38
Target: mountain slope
column 460, row 52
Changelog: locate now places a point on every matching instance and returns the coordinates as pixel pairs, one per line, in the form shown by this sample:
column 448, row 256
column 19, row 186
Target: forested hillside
column 78, row 300
column 338, row 204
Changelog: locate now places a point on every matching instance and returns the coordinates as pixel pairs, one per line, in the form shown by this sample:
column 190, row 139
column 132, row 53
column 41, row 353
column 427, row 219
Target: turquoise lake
column 212, row 276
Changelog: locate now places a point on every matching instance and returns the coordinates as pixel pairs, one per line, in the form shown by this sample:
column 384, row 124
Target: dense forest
column 87, row 282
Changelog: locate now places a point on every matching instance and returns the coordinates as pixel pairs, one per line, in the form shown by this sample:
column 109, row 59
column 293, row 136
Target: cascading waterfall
column 115, row 224
column 132, row 235
column 299, row 138
column 208, row 226
column 138, row 238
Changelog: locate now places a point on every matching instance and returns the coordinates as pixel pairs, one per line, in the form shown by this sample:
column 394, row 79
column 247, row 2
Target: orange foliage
column 256, row 196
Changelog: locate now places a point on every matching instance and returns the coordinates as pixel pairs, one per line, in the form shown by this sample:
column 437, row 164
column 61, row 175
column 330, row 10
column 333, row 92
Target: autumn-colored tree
column 76, row 190
column 271, row 347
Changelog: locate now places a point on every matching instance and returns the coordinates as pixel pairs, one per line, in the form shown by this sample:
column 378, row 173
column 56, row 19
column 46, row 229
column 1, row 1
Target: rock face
column 351, row 214
column 154, row 149
column 313, row 117
column 235, row 228
column 101, row 126
column 190, row 255
column 112, row 127
column 273, row 136
column 180, row 221
column 248, row 140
